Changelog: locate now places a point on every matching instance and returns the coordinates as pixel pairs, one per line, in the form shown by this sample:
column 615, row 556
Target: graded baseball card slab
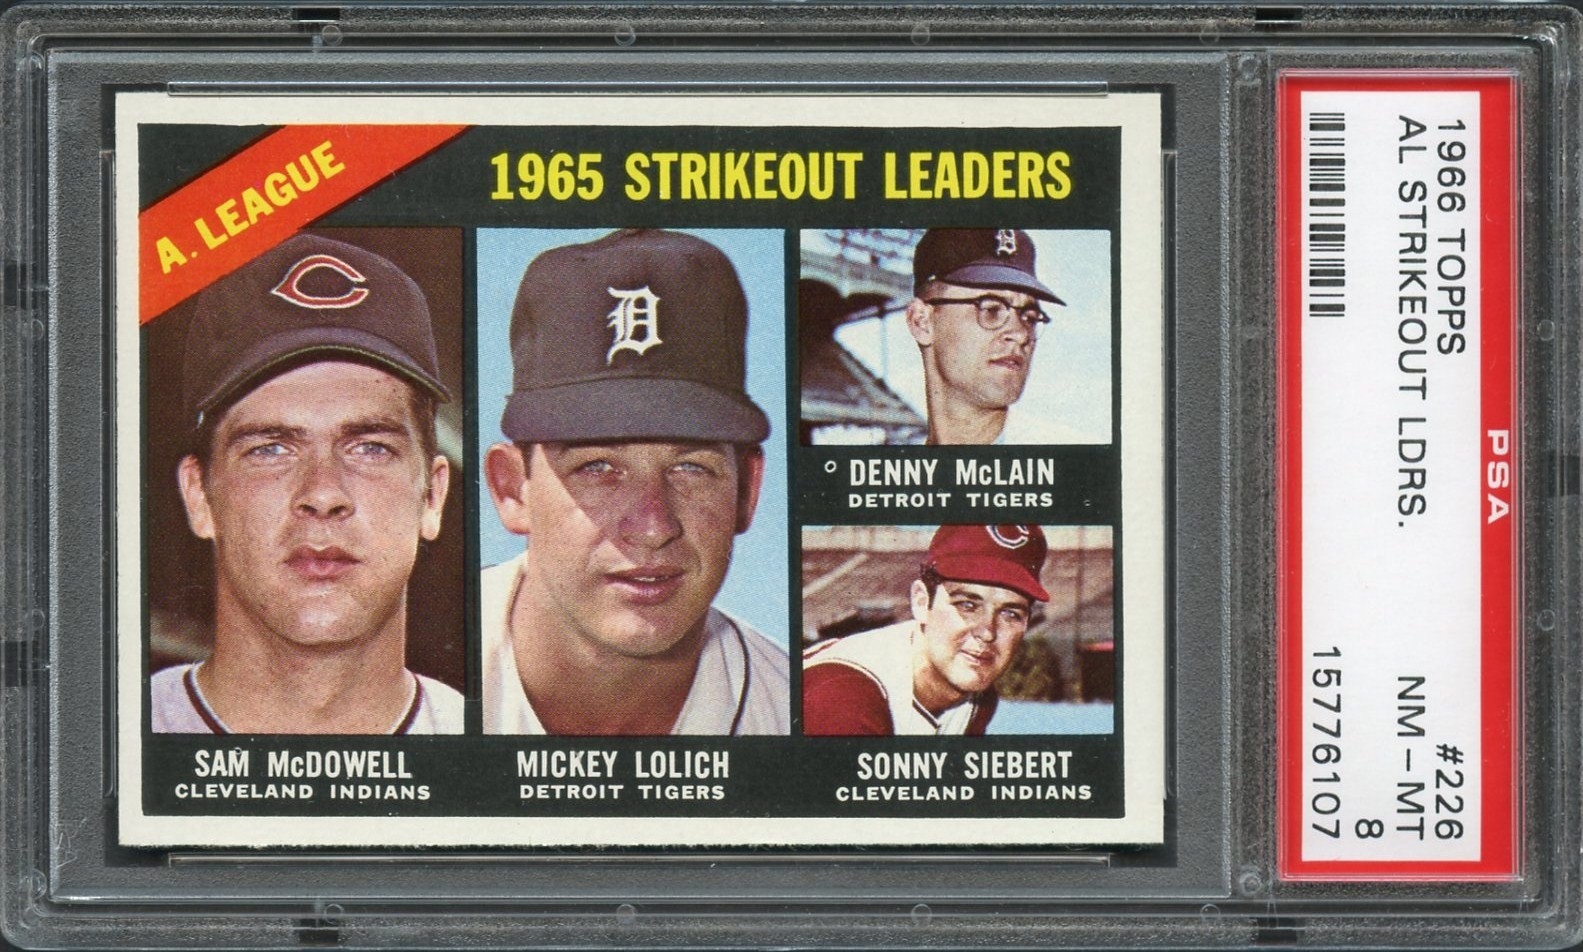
column 1029, row 474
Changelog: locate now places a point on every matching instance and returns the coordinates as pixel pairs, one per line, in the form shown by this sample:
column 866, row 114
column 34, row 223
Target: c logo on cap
column 290, row 287
column 1015, row 539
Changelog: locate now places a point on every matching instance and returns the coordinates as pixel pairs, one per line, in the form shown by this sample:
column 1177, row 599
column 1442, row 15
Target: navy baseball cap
column 992, row 258
column 641, row 334
column 307, row 296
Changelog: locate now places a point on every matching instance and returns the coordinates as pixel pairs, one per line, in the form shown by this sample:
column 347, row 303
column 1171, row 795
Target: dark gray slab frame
column 65, row 884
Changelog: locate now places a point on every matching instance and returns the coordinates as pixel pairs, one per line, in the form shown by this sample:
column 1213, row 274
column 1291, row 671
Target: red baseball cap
column 1004, row 556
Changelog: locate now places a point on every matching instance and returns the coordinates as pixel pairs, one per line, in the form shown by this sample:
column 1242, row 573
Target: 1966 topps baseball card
column 653, row 470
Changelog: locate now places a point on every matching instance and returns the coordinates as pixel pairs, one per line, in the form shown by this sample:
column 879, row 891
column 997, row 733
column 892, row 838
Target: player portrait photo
column 955, row 336
column 958, row 630
column 304, row 535
column 634, row 561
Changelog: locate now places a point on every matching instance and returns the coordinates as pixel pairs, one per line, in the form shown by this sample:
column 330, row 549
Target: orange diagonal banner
column 261, row 196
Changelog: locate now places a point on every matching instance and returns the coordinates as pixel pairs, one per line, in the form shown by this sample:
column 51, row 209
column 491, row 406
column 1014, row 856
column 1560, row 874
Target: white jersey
column 1023, row 428
column 742, row 685
column 877, row 681
column 179, row 707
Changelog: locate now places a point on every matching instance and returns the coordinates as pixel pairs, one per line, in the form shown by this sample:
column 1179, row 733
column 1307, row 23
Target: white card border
column 1141, row 426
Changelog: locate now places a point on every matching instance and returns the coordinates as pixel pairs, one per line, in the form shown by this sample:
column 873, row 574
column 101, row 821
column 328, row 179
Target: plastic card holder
column 751, row 475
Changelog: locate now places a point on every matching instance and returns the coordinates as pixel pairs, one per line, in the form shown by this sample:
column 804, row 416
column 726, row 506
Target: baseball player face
column 316, row 495
column 964, row 364
column 628, row 542
column 970, row 633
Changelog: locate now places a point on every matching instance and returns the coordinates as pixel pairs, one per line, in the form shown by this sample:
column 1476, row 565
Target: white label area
column 1393, row 502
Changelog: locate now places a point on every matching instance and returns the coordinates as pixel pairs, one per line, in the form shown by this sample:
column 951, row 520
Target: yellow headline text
column 784, row 176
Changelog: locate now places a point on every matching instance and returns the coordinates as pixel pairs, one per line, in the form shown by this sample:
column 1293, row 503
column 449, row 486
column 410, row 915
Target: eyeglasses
column 994, row 312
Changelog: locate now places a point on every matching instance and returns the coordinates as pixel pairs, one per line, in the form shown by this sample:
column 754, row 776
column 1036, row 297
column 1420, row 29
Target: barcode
column 1327, row 216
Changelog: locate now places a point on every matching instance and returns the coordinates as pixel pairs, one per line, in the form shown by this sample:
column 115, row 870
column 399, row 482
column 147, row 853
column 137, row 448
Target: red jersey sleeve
column 983, row 709
column 841, row 701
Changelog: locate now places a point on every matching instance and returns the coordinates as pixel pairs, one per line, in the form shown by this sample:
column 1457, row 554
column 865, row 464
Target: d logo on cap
column 290, row 287
column 635, row 310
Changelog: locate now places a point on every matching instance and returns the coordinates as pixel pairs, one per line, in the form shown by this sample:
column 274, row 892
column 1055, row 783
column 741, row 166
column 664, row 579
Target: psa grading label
column 641, row 471
column 1398, row 720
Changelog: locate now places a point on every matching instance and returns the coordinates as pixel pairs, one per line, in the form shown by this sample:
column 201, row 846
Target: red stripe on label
column 1502, row 723
column 1289, row 470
